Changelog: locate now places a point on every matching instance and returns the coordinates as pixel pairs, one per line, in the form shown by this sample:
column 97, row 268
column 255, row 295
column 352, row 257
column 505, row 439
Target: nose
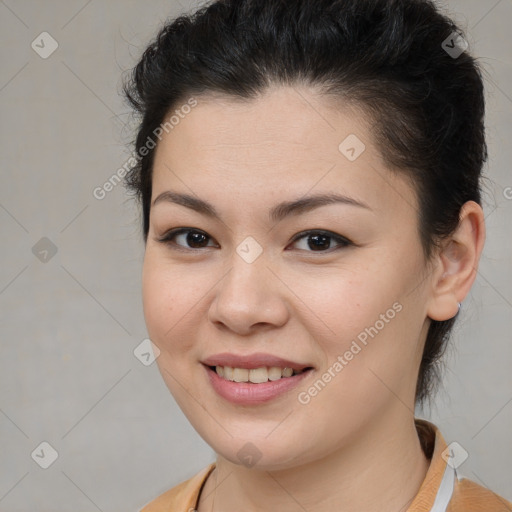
column 248, row 298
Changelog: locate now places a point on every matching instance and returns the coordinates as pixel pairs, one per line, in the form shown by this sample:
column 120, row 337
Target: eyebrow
column 276, row 213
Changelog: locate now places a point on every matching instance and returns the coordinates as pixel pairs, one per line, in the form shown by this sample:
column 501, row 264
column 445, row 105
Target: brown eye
column 191, row 238
column 321, row 241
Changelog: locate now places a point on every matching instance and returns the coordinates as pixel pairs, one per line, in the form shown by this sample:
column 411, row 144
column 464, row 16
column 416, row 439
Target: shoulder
column 181, row 498
column 469, row 496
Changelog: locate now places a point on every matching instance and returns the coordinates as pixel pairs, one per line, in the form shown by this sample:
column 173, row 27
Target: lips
column 252, row 394
column 254, row 361
column 253, row 379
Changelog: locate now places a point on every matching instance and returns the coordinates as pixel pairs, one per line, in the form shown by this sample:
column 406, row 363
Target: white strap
column 445, row 491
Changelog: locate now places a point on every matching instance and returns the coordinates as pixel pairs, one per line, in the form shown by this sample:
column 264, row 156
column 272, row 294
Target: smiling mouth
column 256, row 375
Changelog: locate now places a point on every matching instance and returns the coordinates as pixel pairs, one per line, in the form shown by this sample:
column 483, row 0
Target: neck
column 382, row 470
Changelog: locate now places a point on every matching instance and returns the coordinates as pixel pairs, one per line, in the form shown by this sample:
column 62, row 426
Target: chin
column 255, row 448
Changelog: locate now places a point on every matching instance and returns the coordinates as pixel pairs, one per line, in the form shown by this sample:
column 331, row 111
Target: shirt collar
column 434, row 446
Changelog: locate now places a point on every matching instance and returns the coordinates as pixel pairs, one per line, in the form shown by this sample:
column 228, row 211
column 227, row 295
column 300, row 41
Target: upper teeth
column 256, row 375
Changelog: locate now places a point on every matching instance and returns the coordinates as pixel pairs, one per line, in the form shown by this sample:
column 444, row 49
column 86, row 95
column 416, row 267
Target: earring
column 460, row 305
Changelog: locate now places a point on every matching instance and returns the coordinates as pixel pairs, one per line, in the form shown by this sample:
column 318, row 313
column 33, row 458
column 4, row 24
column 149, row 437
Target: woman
column 309, row 173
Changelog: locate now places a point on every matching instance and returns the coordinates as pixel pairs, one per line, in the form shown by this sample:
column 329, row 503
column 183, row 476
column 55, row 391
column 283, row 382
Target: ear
column 457, row 263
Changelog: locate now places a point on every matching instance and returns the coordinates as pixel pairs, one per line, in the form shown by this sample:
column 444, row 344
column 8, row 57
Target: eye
column 194, row 237
column 318, row 240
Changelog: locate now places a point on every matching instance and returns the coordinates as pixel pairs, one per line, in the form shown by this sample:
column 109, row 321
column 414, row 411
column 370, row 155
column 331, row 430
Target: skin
column 354, row 446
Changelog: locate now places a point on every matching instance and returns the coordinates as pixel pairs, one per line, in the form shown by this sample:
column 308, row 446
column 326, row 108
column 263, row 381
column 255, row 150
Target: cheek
column 168, row 295
column 368, row 319
column 175, row 304
column 341, row 304
column 374, row 362
column 158, row 304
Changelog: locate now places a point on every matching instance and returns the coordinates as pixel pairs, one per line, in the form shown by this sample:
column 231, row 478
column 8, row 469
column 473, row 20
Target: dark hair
column 390, row 57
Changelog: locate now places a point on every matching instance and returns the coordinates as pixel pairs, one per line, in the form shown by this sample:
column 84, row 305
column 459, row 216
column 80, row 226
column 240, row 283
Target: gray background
column 69, row 325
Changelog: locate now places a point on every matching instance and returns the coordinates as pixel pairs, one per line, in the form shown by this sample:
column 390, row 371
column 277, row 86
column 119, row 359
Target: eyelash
column 168, row 237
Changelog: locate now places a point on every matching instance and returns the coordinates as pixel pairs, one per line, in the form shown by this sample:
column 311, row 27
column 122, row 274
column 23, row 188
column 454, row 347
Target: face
column 336, row 290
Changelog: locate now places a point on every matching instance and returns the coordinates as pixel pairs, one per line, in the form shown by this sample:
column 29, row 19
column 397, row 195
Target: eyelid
column 342, row 241
column 172, row 233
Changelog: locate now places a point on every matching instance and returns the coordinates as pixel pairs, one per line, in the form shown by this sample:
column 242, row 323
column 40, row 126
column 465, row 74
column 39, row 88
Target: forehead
column 282, row 116
column 286, row 142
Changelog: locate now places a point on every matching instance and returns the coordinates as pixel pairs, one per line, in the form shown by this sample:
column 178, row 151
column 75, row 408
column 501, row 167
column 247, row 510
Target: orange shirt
column 441, row 491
